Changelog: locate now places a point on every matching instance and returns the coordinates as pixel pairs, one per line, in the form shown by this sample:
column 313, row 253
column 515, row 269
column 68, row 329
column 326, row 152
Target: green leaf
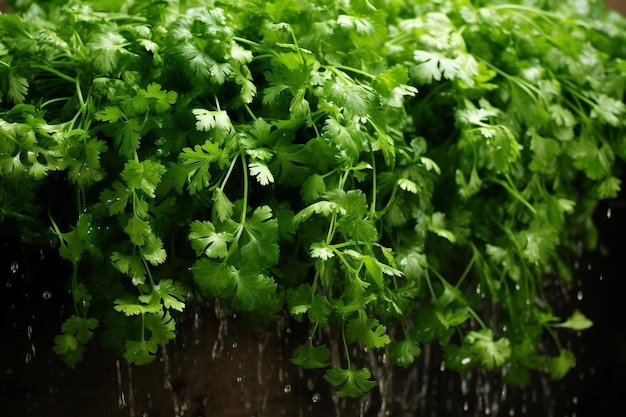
column 205, row 239
column 468, row 188
column 252, row 291
column 134, row 307
column 350, row 382
column 491, row 353
column 437, row 225
column 216, row 121
column 217, row 279
column 222, row 205
column 171, row 293
column 404, row 352
column 116, row 199
column 322, row 250
column 76, row 330
column 311, row 357
column 368, row 331
column 299, row 299
column 325, row 208
column 559, row 366
column 261, row 172
column 145, row 175
column 130, row 265
column 319, row 310
column 577, row 321
column 261, row 244
column 106, row 48
column 111, row 114
column 608, row 188
column 140, row 352
column 153, row 251
column 347, row 139
column 587, row 156
column 162, row 327
column 197, row 162
column 138, row 230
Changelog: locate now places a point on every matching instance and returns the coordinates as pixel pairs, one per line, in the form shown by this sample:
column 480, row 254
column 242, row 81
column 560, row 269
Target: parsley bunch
column 392, row 173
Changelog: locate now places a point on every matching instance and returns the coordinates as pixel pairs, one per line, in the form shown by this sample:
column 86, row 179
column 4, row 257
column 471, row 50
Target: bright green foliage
column 390, row 173
column 351, row 382
column 76, row 332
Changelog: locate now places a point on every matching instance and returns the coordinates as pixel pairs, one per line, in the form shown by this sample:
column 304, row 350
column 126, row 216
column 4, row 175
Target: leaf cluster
column 400, row 173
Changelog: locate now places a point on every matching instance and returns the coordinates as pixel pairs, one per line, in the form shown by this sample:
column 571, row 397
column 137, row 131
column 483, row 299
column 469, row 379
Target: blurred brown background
column 619, row 5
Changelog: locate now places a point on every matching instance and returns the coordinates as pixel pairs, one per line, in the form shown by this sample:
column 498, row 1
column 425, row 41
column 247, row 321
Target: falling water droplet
column 239, row 379
column 287, row 389
column 47, row 295
column 579, row 296
column 511, row 412
column 121, row 400
column 316, row 397
column 14, row 267
column 465, row 406
column 608, row 213
column 442, row 367
column 234, row 345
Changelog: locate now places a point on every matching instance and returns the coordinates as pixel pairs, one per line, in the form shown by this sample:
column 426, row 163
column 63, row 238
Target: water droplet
column 47, row 295
column 310, row 384
column 234, row 345
column 316, row 397
column 41, row 254
column 511, row 412
column 287, row 389
column 608, row 213
column 14, row 268
column 465, row 406
column 442, row 367
column 9, row 285
column 239, row 379
column 465, row 361
column 579, row 296
column 575, row 400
